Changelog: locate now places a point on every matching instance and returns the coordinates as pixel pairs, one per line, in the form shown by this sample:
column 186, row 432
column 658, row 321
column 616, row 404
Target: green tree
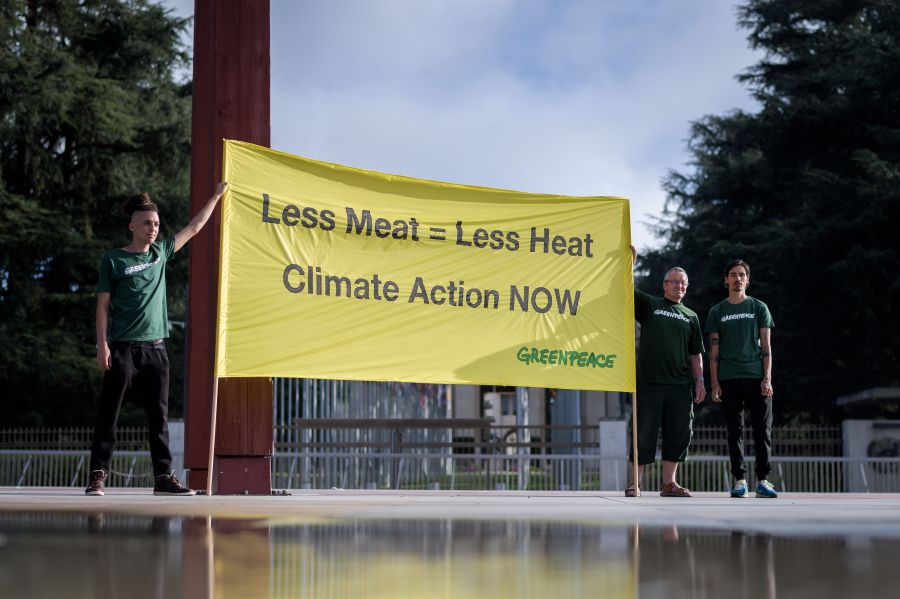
column 90, row 113
column 807, row 190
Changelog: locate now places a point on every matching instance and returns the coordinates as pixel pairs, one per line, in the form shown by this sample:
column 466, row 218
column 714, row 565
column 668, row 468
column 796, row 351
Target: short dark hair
column 736, row 262
column 139, row 203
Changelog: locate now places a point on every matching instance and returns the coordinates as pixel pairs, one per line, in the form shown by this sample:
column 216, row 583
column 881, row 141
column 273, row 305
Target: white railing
column 69, row 468
column 706, row 440
column 60, row 468
column 567, row 472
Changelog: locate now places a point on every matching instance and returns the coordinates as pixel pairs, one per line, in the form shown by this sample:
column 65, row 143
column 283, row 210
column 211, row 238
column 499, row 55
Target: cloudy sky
column 579, row 97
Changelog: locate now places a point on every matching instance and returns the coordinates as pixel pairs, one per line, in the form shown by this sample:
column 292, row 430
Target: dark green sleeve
column 712, row 320
column 168, row 248
column 641, row 305
column 104, row 283
column 763, row 316
column 695, row 345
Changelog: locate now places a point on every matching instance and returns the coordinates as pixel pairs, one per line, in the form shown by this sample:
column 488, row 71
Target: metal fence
column 819, row 441
column 129, row 438
column 69, row 468
column 423, row 401
column 320, row 398
column 434, row 471
column 796, row 474
column 567, row 472
column 466, row 471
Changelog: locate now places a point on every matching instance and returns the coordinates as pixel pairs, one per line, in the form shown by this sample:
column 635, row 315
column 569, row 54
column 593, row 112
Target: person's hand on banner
column 196, row 224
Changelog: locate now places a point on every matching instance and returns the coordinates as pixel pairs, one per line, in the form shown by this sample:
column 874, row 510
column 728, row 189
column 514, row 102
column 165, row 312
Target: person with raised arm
column 669, row 379
column 132, row 324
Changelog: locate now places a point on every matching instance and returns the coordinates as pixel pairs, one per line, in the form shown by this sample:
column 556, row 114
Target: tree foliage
column 90, row 113
column 807, row 190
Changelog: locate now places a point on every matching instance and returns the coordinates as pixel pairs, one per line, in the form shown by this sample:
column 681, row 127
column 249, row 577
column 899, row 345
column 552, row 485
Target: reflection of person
column 696, row 562
column 132, row 323
column 740, row 365
column 669, row 378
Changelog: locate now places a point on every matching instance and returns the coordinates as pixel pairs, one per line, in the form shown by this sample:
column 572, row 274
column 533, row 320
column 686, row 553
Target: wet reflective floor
column 110, row 555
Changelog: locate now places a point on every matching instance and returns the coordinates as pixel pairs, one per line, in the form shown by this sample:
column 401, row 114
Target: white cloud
column 581, row 97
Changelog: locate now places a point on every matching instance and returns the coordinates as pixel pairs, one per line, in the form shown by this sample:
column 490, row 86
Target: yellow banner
column 334, row 272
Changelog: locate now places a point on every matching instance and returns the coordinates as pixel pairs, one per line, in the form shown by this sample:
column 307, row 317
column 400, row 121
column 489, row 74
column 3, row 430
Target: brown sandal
column 632, row 490
column 673, row 490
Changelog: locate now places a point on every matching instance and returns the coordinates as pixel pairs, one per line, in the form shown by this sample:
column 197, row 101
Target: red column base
column 237, row 476
column 243, row 475
column 196, row 478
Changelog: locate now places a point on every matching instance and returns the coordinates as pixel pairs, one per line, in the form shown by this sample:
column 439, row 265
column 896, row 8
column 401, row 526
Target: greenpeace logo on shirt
column 737, row 316
column 674, row 315
column 140, row 267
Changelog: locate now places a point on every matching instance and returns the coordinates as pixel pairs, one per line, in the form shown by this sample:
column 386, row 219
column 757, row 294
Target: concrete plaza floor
column 454, row 544
column 791, row 514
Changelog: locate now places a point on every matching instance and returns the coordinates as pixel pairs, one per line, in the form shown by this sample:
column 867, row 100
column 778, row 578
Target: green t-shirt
column 136, row 283
column 740, row 355
column 670, row 334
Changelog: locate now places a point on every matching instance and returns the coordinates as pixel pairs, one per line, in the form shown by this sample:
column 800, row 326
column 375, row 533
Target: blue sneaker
column 765, row 489
column 740, row 489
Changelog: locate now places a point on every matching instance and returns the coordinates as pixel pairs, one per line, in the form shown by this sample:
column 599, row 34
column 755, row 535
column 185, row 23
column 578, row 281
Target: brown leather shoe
column 673, row 490
column 168, row 484
column 632, row 490
column 96, row 482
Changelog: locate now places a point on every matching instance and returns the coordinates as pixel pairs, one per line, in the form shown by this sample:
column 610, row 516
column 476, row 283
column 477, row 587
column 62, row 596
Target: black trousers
column 140, row 371
column 739, row 395
column 670, row 407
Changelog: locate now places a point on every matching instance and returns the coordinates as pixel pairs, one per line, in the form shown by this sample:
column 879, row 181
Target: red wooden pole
column 230, row 100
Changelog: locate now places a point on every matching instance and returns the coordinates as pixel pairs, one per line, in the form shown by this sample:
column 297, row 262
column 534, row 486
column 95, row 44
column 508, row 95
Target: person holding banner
column 740, row 370
column 669, row 379
column 132, row 323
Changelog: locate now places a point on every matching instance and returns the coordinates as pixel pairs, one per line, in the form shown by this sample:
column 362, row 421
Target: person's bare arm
column 199, row 220
column 104, row 360
column 765, row 343
column 714, row 388
column 697, row 371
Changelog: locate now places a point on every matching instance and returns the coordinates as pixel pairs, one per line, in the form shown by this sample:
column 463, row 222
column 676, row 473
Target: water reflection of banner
column 339, row 273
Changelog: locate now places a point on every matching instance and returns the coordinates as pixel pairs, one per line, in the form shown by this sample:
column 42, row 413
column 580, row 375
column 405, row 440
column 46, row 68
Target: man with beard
column 740, row 366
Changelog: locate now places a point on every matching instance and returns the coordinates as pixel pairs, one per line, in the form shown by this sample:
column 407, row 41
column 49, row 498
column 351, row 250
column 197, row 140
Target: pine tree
column 806, row 190
column 90, row 113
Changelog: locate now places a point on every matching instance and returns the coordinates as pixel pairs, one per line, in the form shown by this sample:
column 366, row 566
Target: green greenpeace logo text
column 560, row 357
